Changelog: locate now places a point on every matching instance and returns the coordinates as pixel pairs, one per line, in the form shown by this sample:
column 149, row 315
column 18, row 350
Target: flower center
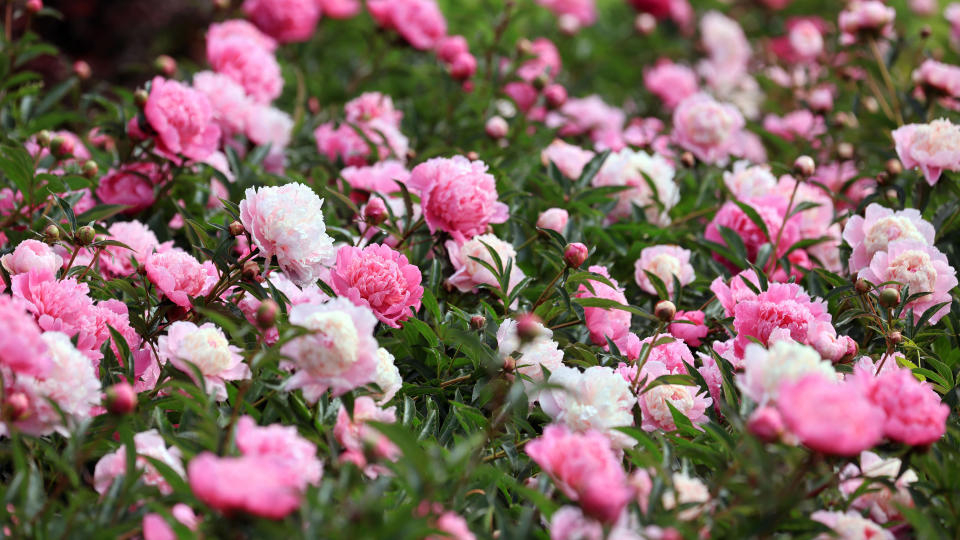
column 337, row 341
column 208, row 350
column 915, row 270
column 887, row 230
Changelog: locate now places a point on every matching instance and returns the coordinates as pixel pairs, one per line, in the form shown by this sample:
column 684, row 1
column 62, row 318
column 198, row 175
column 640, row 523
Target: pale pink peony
column 765, row 370
column 131, row 185
column 797, row 125
column 915, row 414
column 706, row 127
column 338, row 353
column 30, row 255
column 262, row 486
column 554, row 219
column 361, row 440
column 598, row 399
column 228, row 100
column 692, row 331
column 938, row 80
column 569, row 159
column 830, row 417
column 931, row 147
column 187, row 346
column 687, row 400
column 878, row 499
column 282, row 445
column 849, row 526
column 670, row 82
column 806, row 39
column 534, row 355
column 457, row 196
column 728, row 51
column 919, row 267
column 345, row 143
column 420, row 22
column 747, row 181
column 370, row 106
column 380, row 177
column 569, row 523
column 182, row 118
column 379, row 278
column 239, row 28
column 878, row 227
column 287, row 222
column 666, row 262
column 155, row 526
column 148, row 444
column 590, row 115
column 284, row 20
column 179, row 276
column 22, row 349
column 585, row 468
column 116, row 260
column 573, row 14
column 253, row 68
column 468, row 273
column 871, row 17
column 638, row 170
column 604, row 323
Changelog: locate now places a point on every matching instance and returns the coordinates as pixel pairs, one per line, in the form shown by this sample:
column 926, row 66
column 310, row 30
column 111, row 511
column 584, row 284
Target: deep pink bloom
column 262, row 486
column 380, row 177
column 585, row 468
column 771, row 209
column 205, row 347
column 605, row 323
column 131, row 185
column 61, row 305
column 933, row 147
column 379, row 278
column 361, row 440
column 691, row 334
column 285, row 20
column 155, row 526
column 21, row 348
column 253, row 68
column 179, row 276
column 878, row 227
column 420, row 22
column 283, row 445
column 915, row 414
column 339, row 9
column 670, row 82
column 457, row 196
column 30, row 255
column 707, row 128
column 239, row 28
column 182, row 118
column 545, row 61
column 921, row 268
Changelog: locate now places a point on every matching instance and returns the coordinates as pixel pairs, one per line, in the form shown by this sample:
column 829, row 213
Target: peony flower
column 671, row 83
column 131, row 185
column 690, row 332
column 253, row 68
column 650, row 179
column 865, row 17
column 31, row 255
column 287, row 222
column 339, row 9
column 939, row 79
column 269, row 125
column 379, row 278
column 707, row 128
column 764, row 370
column 666, row 262
column 830, row 417
column 919, row 267
column 149, row 444
column 468, row 273
column 282, row 445
column 880, row 500
column 880, row 226
column 228, row 100
column 585, row 468
column 801, row 124
column 569, row 523
column 534, row 355
column 687, row 400
column 914, row 412
column 595, row 399
column 61, row 306
column 420, row 22
column 747, row 181
column 457, row 196
column 931, row 147
column 380, row 177
column 22, row 348
column 772, row 210
column 205, row 347
column 182, row 118
column 545, row 61
column 806, row 39
column 728, row 52
column 116, row 260
column 387, row 376
column 590, row 115
column 554, row 219
column 339, row 352
column 573, row 14
column 361, row 440
column 155, row 526
column 686, row 490
column 849, row 526
column 285, row 20
column 262, row 486
column 605, row 323
column 179, row 276
column 239, row 28
column 569, row 159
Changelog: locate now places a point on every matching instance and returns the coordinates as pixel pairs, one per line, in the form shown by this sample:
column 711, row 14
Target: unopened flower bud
column 16, row 407
column 222, row 5
column 140, row 98
column 688, row 160
column 541, row 81
column 313, row 105
column 267, row 313
column 805, row 166
column 525, row 47
column 845, row 150
column 665, row 310
column 473, row 156
column 34, row 6
column 82, row 70
column 509, row 364
column 496, row 127
column 925, row 31
column 90, row 169
column 44, row 138
column 236, row 228
column 894, row 167
column 375, row 211
column 645, row 24
column 251, row 270
column 529, row 327
column 463, row 66
column 61, row 146
column 477, row 322
column 556, row 95
column 895, row 337
column 862, row 286
column 86, row 235
column 120, row 398
column 165, row 64
column 871, row 104
column 889, row 298
column 575, row 254
column 51, row 234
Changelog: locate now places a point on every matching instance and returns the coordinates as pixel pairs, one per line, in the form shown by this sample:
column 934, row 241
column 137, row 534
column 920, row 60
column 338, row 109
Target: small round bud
column 140, row 98
column 845, row 150
column 120, row 399
column 313, row 105
column 51, row 234
column 568, row 24
column 509, row 364
column 477, row 322
column 411, row 154
column 375, row 211
column 463, row 66
column 665, row 310
column 805, row 166
column 496, row 127
column 882, row 177
column 90, row 169
column 925, row 31
column 86, row 235
column 766, row 424
column 236, row 228
column 222, row 5
column 541, row 81
column 871, row 104
column 894, row 167
column 61, row 146
column 688, row 159
column 251, row 270
column 525, row 47
column 895, row 337
column 892, row 194
column 467, row 86
column 267, row 313
column 44, row 138
column 529, row 327
column 473, row 156
column 82, row 70
column 165, row 64
column 575, row 254
column 16, row 407
column 34, row 6
column 645, row 24
column 862, row 286
column 889, row 298
column 556, row 95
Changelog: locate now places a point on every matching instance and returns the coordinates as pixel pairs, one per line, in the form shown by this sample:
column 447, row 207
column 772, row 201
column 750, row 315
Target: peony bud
column 16, row 407
column 236, row 228
column 541, row 81
column 34, row 6
column 120, row 399
column 267, row 313
column 862, row 286
column 44, row 138
column 665, row 310
column 805, row 166
column 86, row 235
column 82, row 70
column 688, row 160
column 477, row 322
column 766, row 424
column 509, row 364
column 61, row 146
column 222, row 5
column 845, row 151
column 463, row 66
column 925, row 31
column 529, row 327
column 496, row 127
column 525, row 47
column 140, row 98
column 645, row 24
column 473, row 156
column 51, row 234
column 375, row 211
column 575, row 254
column 890, row 298
column 251, row 270
column 556, row 95
column 895, row 337
column 90, row 169
column 313, row 105
column 166, row 65
column 894, row 167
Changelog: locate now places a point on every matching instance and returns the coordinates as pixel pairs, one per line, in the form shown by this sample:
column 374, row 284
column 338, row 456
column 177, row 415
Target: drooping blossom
column 361, row 440
column 930, row 147
column 706, row 127
column 666, row 262
column 597, row 398
column 149, row 444
column 650, row 178
column 918, row 267
column 379, row 278
column 182, row 118
column 187, row 346
column 878, row 227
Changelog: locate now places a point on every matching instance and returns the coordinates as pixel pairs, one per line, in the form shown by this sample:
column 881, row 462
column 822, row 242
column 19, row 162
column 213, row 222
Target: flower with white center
column 686, row 490
column 746, row 180
column 187, row 346
column 638, row 171
column 932, row 147
column 665, row 262
column 879, row 227
column 921, row 268
column 764, row 370
column 597, row 398
column 534, row 355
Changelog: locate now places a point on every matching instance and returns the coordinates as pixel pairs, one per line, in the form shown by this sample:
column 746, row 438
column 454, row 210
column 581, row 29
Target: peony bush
column 555, row 269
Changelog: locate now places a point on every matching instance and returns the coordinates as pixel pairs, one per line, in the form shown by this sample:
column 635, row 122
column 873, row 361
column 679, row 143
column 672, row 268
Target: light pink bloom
column 339, row 352
column 581, row 13
column 205, row 347
column 182, row 118
column 535, row 355
column 880, row 500
column 379, row 278
column 131, row 185
column 22, row 350
column 849, row 526
column 262, row 486
column 569, row 158
column 239, row 28
column 285, row 20
column 457, row 196
column 921, row 268
column 451, row 524
column 361, row 440
column 952, row 14
column 639, row 170
column 915, row 414
column 706, row 127
column 597, row 398
column 766, row 369
column 420, row 22
column 590, row 115
column 29, row 255
column 62, row 306
column 666, row 262
column 554, row 219
column 670, row 82
column 831, row 417
column 282, row 445
column 468, row 273
column 269, row 125
column 380, row 177
column 148, row 444
column 585, row 468
column 728, row 51
column 806, row 39
column 932, row 147
column 746, row 181
column 228, row 100
column 253, row 68
column 116, row 260
column 865, row 17
column 370, row 106
column 179, row 276
column 801, row 124
column 345, row 143
column 692, row 333
column 287, row 222
column 545, row 61
column 880, row 226
column 937, row 78
column 605, row 323
column 687, row 400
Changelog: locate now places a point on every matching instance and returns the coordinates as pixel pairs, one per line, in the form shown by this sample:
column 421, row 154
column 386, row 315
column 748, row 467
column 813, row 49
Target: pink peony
column 771, row 209
column 728, row 51
column 706, row 128
column 116, row 260
column 650, row 178
column 915, row 414
column 284, row 446
column 420, row 22
column 921, row 268
column 691, row 333
column 148, row 444
column 155, row 526
column 253, row 68
column 262, row 486
column 879, row 227
column 179, row 276
column 865, row 17
column 937, row 79
column 339, row 9
column 361, row 440
column 687, row 400
column 30, row 255
column 569, row 159
column 554, row 219
column 670, row 82
column 797, row 125
column 380, row 177
column 287, row 222
column 585, row 468
column 182, row 118
column 931, row 147
column 545, row 61
column 590, row 115
column 573, row 14
column 239, row 28
column 457, row 196
column 338, row 353
column 604, row 323
column 468, row 273
column 284, row 20
column 830, row 417
column 879, row 499
column 345, row 143
column 62, row 306
column 666, row 262
column 187, row 346
column 132, row 186
column 379, row 278
column 22, row 350
column 746, row 181
column 228, row 100
column 850, row 525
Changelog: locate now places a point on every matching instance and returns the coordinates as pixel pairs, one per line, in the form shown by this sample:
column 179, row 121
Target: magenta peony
column 182, row 118
column 379, row 278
